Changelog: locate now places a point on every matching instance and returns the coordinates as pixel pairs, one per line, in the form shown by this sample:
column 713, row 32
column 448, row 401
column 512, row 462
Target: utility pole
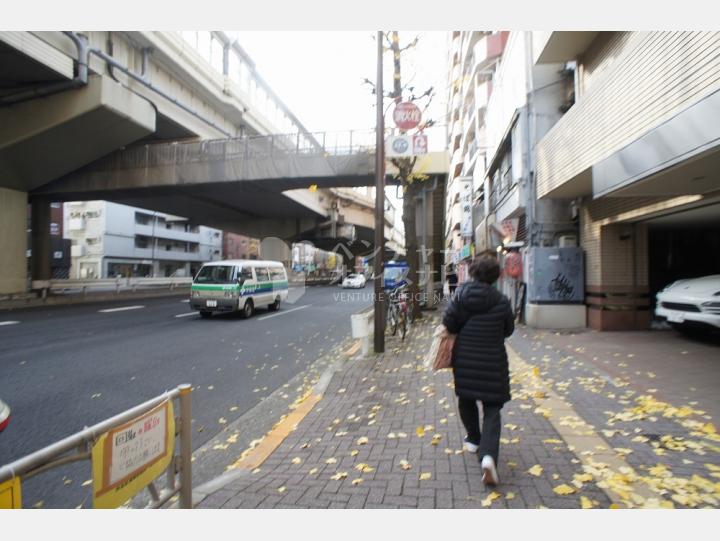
column 379, row 319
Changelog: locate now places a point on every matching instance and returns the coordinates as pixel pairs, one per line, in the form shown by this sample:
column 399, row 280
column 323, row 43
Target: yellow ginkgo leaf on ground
column 313, row 471
column 331, row 460
column 436, row 439
column 282, row 489
column 362, row 441
column 509, row 495
column 425, row 476
column 490, row 498
column 405, row 465
column 296, row 460
column 339, row 476
column 563, row 490
column 552, row 440
column 86, row 483
column 354, row 452
column 536, row 470
column 365, row 468
column 357, row 481
column 420, row 431
column 585, row 502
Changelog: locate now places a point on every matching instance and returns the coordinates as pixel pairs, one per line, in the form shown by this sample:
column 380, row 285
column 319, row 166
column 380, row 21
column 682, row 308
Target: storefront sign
column 466, row 222
column 465, row 252
column 405, row 146
column 127, row 458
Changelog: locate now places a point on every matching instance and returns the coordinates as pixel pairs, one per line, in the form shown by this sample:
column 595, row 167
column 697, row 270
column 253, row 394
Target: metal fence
column 105, row 284
column 78, row 448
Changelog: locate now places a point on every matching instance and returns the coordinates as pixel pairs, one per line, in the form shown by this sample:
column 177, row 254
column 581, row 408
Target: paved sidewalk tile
column 668, row 440
column 386, row 435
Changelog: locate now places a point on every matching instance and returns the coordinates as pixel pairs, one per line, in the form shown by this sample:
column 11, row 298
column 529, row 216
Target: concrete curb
column 206, row 489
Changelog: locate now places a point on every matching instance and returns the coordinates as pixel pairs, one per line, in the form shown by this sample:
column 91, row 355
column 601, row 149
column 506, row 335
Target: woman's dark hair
column 485, row 268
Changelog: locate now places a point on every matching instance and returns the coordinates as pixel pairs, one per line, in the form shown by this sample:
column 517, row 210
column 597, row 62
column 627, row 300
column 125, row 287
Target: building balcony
column 76, row 224
column 488, row 49
column 167, row 255
column 560, row 47
column 456, row 163
column 161, row 232
column 507, row 202
column 482, row 96
column 471, row 38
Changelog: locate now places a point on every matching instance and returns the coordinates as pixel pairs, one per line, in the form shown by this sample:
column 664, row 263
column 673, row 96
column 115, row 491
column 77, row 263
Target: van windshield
column 215, row 274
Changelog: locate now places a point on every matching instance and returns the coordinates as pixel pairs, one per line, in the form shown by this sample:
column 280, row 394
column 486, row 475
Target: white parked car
column 354, row 281
column 693, row 303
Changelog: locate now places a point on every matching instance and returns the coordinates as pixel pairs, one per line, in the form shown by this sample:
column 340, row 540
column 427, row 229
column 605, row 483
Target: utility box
column 555, row 275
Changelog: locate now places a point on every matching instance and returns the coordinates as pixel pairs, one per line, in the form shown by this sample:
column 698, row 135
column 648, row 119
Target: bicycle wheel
column 402, row 323
column 392, row 320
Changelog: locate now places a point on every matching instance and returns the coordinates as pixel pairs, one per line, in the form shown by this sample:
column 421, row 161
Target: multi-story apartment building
column 111, row 240
column 240, row 247
column 606, row 140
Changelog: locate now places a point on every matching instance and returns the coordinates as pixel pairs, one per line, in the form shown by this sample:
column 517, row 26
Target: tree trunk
column 411, row 246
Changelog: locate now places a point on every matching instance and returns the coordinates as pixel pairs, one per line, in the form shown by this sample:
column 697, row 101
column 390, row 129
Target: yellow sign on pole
column 10, row 494
column 127, row 458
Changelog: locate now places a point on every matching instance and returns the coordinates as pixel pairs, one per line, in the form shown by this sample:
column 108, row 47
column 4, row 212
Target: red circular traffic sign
column 406, row 115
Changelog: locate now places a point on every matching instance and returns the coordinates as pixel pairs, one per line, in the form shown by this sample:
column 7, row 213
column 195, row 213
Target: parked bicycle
column 398, row 316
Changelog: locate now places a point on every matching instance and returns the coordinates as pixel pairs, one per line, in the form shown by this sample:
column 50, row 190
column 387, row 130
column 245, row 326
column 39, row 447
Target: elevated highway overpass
column 155, row 120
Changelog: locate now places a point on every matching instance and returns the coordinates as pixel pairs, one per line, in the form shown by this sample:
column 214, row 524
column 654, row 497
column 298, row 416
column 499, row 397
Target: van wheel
column 274, row 307
column 248, row 309
column 205, row 314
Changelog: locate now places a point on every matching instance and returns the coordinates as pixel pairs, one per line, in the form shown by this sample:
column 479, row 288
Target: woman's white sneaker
column 489, row 472
column 469, row 446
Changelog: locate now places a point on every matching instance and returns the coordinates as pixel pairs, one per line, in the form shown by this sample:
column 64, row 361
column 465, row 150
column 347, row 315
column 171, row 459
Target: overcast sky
column 319, row 74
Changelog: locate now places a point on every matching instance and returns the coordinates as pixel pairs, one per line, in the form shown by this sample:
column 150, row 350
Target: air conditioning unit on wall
column 568, row 241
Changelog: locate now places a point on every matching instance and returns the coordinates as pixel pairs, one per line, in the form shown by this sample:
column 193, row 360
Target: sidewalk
column 386, row 434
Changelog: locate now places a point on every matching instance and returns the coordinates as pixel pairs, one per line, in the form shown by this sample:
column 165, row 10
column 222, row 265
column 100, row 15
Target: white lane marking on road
column 121, row 309
column 8, row 323
column 186, row 315
column 186, row 300
column 284, row 312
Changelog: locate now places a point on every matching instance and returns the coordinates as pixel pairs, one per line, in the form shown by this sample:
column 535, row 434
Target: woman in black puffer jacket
column 482, row 318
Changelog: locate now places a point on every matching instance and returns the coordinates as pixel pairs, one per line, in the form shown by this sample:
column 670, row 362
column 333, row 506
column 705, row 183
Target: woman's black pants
column 489, row 436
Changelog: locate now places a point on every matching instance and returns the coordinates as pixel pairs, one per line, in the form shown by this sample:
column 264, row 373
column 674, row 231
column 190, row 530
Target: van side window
column 277, row 274
column 262, row 275
column 246, row 273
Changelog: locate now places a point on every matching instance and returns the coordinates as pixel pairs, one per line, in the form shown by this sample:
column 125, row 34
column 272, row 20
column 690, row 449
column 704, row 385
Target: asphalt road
column 64, row 368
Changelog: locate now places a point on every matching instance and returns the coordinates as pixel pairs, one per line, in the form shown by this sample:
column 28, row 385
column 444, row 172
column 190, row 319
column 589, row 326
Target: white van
column 238, row 285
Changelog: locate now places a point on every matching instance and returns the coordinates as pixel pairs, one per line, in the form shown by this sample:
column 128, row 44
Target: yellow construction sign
column 10, row 494
column 126, row 459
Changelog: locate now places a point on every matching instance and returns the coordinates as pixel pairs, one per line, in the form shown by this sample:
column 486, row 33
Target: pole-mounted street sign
column 407, row 115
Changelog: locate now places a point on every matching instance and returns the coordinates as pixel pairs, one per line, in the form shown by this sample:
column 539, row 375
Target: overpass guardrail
column 116, row 284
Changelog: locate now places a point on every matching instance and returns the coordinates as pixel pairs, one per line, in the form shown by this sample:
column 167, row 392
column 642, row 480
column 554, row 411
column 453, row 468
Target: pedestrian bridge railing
column 128, row 453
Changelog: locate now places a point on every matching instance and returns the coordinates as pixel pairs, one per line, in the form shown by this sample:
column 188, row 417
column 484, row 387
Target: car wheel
column 274, row 307
column 248, row 309
column 205, row 313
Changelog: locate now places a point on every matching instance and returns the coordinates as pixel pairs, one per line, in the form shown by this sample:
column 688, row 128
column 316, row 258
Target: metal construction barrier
column 128, row 453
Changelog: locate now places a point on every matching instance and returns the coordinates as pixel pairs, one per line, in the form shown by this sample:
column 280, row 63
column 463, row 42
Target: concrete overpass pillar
column 13, row 241
column 40, row 224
